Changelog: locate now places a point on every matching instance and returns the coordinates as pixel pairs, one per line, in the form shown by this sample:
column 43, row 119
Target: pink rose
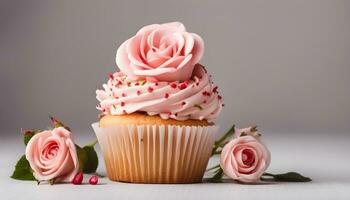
column 245, row 159
column 163, row 52
column 52, row 155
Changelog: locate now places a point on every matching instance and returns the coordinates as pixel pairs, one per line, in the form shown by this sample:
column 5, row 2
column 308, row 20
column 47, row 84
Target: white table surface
column 323, row 157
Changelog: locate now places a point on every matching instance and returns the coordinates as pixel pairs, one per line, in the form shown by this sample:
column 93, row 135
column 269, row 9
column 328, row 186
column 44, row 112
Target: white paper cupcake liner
column 156, row 154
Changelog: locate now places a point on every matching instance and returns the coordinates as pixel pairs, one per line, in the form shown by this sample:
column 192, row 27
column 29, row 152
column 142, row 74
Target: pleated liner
column 156, row 154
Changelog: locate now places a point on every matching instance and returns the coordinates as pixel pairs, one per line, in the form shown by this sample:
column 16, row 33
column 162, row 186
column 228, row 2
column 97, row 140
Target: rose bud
column 245, row 159
column 52, row 155
column 93, row 180
column 78, row 179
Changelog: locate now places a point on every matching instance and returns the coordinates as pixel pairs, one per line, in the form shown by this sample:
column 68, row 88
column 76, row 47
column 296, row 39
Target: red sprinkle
column 166, row 95
column 156, row 84
column 123, row 95
column 122, row 103
column 176, row 114
column 78, row 178
column 205, row 101
column 93, row 180
column 150, row 89
column 183, row 103
column 111, row 76
column 215, row 89
column 183, row 85
column 138, row 92
column 119, row 82
column 137, row 83
column 219, row 97
column 173, row 85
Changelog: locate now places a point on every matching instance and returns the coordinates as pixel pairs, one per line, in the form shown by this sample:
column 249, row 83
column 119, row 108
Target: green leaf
column 27, row 137
column 219, row 173
column 82, row 157
column 92, row 160
column 286, row 177
column 23, row 170
column 88, row 160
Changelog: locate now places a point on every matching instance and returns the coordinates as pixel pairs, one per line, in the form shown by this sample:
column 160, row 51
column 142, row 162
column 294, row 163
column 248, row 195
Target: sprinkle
column 156, row 84
column 173, row 85
column 176, row 114
column 183, row 103
column 215, row 89
column 128, row 84
column 124, row 112
column 111, row 76
column 122, row 103
column 183, row 85
column 198, row 106
column 150, row 89
column 222, row 105
column 166, row 95
column 123, row 95
column 219, row 97
column 169, row 113
column 205, row 101
column 119, row 82
column 137, row 83
column 205, row 93
column 138, row 92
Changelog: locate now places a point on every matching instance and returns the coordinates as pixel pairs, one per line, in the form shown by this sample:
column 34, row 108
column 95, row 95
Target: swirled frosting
column 196, row 98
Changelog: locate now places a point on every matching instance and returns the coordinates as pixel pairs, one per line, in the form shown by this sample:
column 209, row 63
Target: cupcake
column 156, row 124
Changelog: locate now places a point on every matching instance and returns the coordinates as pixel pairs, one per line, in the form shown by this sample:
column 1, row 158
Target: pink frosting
column 196, row 98
column 163, row 52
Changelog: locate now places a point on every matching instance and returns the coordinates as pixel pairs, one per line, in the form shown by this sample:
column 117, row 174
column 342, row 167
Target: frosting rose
column 196, row 98
column 245, row 158
column 163, row 52
column 52, row 155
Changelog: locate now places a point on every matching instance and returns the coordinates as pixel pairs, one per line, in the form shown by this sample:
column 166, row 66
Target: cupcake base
column 155, row 153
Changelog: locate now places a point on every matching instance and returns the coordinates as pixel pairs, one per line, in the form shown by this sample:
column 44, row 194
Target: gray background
column 283, row 65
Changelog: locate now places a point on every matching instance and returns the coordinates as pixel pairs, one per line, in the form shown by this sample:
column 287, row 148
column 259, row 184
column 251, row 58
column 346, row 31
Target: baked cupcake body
column 158, row 110
column 154, row 151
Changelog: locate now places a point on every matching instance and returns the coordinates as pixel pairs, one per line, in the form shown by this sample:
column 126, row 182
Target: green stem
column 92, row 143
column 222, row 139
column 216, row 166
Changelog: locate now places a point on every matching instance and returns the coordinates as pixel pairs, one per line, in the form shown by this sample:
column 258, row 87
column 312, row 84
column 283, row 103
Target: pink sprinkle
column 122, row 103
column 123, row 95
column 166, row 95
column 138, row 92
column 150, row 89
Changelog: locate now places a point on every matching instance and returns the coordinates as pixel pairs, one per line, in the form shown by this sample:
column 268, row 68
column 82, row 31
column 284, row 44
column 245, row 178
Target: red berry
column 93, row 180
column 78, row 179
